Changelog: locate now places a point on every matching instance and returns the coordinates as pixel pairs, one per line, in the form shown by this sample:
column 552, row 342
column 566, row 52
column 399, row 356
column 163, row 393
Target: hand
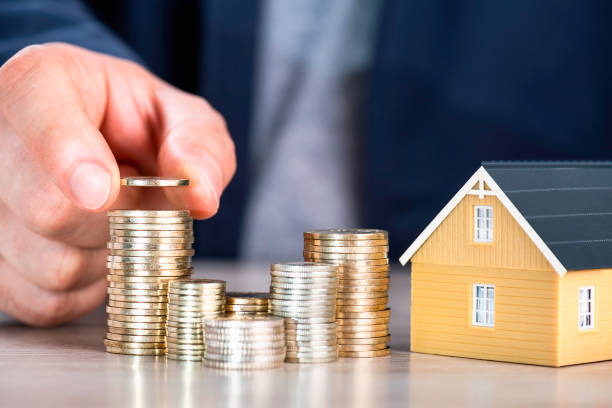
column 72, row 121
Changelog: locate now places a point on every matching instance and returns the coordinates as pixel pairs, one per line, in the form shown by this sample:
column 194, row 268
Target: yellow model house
column 518, row 266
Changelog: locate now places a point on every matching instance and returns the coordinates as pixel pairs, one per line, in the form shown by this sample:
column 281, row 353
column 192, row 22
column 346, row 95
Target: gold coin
column 147, row 247
column 182, row 325
column 346, row 243
column 362, row 322
column 366, row 301
column 150, row 260
column 363, row 282
column 185, row 234
column 347, row 249
column 185, row 358
column 363, row 295
column 358, row 337
column 362, row 276
column 304, row 267
column 315, row 360
column 352, row 263
column 136, row 325
column 363, row 289
column 139, row 279
column 136, row 319
column 138, row 305
column 135, row 339
column 183, row 346
column 136, row 332
column 137, row 285
column 304, row 275
column 352, row 330
column 192, row 300
column 350, row 269
column 365, row 315
column 361, row 308
column 150, row 269
column 346, row 234
column 246, row 308
column 247, row 298
column 137, row 352
column 198, row 284
column 332, row 280
column 161, row 276
column 149, row 220
column 151, row 181
column 345, row 257
column 382, row 339
column 130, row 345
column 153, row 241
column 135, row 312
column 148, row 213
column 369, row 353
column 162, row 300
column 185, row 331
column 153, row 253
column 185, row 338
column 187, row 226
column 361, row 347
column 137, row 292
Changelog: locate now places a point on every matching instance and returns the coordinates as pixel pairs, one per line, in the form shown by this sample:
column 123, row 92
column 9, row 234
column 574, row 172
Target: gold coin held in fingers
column 151, row 181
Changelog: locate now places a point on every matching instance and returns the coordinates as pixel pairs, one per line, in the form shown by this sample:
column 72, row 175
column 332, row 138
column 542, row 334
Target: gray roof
column 569, row 205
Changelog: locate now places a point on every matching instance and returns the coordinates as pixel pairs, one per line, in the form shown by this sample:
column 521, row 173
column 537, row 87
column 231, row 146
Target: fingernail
column 91, row 185
column 214, row 190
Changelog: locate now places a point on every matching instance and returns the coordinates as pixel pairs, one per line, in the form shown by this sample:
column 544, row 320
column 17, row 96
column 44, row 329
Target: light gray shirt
column 312, row 59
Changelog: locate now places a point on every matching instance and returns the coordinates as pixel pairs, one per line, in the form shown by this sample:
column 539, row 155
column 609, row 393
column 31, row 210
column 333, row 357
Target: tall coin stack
column 245, row 342
column 148, row 249
column 304, row 293
column 363, row 284
column 190, row 303
column 246, row 303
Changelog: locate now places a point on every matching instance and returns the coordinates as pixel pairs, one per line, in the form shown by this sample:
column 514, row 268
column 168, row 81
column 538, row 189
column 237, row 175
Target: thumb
column 195, row 144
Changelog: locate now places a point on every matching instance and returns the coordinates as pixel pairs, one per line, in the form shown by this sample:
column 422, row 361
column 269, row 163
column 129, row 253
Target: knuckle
column 50, row 215
column 65, row 269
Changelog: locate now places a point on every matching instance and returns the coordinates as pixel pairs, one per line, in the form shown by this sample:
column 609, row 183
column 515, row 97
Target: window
column 483, row 223
column 586, row 310
column 484, row 305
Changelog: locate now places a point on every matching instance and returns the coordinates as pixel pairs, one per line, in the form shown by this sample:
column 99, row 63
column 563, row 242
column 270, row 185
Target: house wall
column 581, row 346
column 526, row 317
column 452, row 242
column 444, row 270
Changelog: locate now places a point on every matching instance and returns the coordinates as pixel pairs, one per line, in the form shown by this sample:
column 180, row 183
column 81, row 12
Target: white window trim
column 484, row 207
column 592, row 301
column 485, row 286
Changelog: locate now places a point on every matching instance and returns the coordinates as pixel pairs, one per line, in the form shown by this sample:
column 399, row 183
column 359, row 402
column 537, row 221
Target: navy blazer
column 453, row 83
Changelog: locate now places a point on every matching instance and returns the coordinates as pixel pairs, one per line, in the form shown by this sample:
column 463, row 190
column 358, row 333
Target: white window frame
column 488, row 231
column 582, row 311
column 489, row 305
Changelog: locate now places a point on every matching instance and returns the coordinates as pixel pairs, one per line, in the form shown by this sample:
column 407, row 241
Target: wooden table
column 67, row 367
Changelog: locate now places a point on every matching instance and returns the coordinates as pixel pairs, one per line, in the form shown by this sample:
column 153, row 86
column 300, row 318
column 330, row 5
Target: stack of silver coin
column 190, row 303
column 304, row 293
column 246, row 303
column 148, row 248
column 244, row 342
column 363, row 284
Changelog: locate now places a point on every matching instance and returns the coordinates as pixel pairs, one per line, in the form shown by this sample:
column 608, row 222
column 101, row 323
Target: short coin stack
column 148, row 249
column 246, row 303
column 304, row 293
column 245, row 342
column 363, row 284
column 190, row 302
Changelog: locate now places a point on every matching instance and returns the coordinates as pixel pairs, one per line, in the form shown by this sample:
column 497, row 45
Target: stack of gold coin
column 304, row 293
column 244, row 342
column 148, row 249
column 246, row 303
column 190, row 303
column 363, row 285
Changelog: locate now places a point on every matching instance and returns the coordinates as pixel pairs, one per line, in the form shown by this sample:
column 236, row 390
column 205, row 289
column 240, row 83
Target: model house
column 518, row 266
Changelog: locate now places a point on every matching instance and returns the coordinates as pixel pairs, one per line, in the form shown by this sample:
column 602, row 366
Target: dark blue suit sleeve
column 27, row 22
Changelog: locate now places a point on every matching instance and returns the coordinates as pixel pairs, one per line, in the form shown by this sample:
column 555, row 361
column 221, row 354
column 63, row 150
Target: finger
column 49, row 264
column 195, row 144
column 32, row 195
column 39, row 307
column 41, row 101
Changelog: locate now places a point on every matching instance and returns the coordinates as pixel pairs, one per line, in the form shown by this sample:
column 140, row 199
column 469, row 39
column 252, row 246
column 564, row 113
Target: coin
column 153, row 253
column 361, row 322
column 137, row 352
column 242, row 366
column 346, row 234
column 152, row 233
column 302, row 286
column 136, row 319
column 154, row 242
column 328, row 359
column 301, row 297
column 384, row 339
column 363, row 282
column 312, row 355
column 184, row 331
column 150, row 269
column 355, row 289
column 138, row 286
column 361, row 308
column 185, row 339
column 354, row 263
column 148, row 213
column 375, row 275
column 135, row 339
column 247, row 321
column 302, row 291
column 374, row 256
column 203, row 284
column 246, row 308
column 138, row 279
column 130, row 345
column 136, row 312
column 126, row 246
column 325, row 282
column 363, row 295
column 304, row 267
column 136, row 332
column 149, row 220
column 361, row 347
column 366, row 301
column 136, row 292
column 365, row 315
column 347, row 243
column 247, row 298
column 368, row 353
column 345, row 268
column 187, row 226
column 253, row 358
column 184, row 357
column 182, row 347
column 354, row 330
column 150, row 260
column 140, row 299
column 346, row 249
column 185, row 352
column 136, row 325
column 151, row 181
